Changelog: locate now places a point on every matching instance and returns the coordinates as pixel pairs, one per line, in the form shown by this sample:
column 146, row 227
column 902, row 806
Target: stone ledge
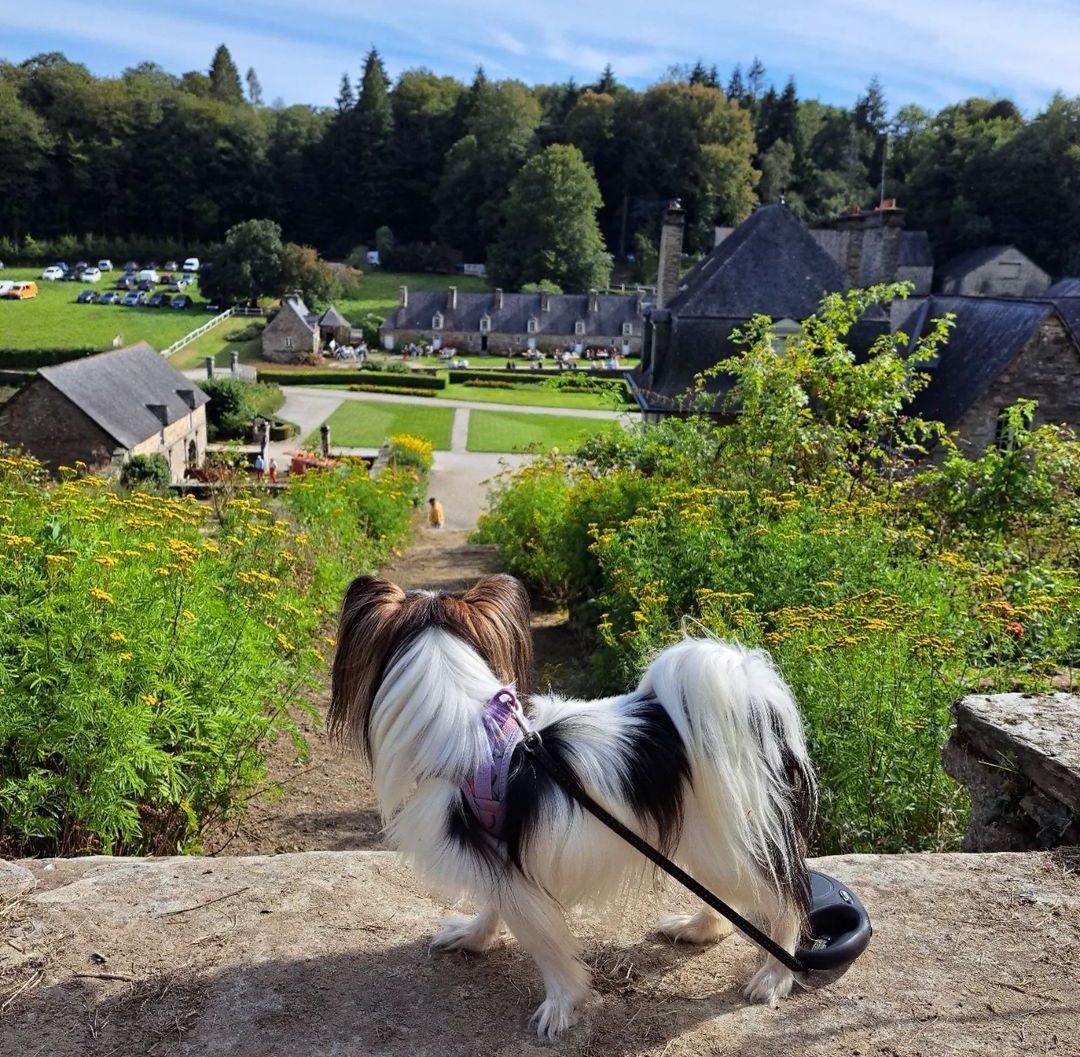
column 325, row 953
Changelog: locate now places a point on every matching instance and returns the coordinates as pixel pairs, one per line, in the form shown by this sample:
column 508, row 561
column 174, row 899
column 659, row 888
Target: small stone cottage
column 298, row 335
column 103, row 409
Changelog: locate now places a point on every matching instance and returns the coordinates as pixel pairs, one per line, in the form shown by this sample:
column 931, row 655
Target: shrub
column 408, row 380
column 398, row 390
column 147, row 472
column 234, row 404
column 34, row 358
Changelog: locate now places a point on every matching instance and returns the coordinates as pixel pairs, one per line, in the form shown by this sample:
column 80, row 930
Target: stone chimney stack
column 671, row 245
column 594, row 301
column 545, row 301
column 451, row 298
column 403, row 297
column 498, row 298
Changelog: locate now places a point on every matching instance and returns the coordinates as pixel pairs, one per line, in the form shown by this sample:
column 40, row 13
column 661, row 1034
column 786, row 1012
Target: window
column 627, row 329
column 1008, row 269
column 290, row 342
column 485, row 324
column 579, row 327
column 436, row 321
column 532, row 325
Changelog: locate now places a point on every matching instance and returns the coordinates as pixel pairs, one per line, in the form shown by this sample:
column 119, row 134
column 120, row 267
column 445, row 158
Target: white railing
column 198, row 332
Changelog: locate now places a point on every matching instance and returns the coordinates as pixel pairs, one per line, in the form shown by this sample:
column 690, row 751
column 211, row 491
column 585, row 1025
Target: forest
column 429, row 161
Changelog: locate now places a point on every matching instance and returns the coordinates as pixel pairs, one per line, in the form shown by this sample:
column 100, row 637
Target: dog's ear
column 364, row 632
column 499, row 609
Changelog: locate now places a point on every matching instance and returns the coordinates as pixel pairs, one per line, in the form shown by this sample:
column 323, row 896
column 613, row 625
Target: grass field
column 379, row 291
column 214, row 343
column 52, row 320
column 360, row 424
column 515, row 431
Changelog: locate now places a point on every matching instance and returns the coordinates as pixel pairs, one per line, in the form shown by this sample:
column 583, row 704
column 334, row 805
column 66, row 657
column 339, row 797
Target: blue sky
column 927, row 51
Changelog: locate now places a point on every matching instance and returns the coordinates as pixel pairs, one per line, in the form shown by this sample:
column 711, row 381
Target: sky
column 930, row 52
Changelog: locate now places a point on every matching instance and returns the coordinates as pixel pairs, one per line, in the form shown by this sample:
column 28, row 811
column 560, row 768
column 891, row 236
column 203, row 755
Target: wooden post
column 324, row 433
column 209, row 361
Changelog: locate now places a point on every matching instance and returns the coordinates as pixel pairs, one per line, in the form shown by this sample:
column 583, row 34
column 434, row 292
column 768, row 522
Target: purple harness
column 485, row 789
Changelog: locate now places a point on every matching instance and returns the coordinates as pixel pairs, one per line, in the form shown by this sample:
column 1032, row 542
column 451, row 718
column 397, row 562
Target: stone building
column 291, row 337
column 503, row 323
column 769, row 265
column 1000, row 350
column 103, row 409
column 993, row 271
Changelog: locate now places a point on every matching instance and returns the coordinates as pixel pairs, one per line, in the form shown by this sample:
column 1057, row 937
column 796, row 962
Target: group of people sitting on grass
column 348, row 352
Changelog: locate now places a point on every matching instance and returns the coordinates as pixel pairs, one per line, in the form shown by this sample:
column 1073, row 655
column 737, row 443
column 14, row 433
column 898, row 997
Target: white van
column 191, row 264
column 148, row 275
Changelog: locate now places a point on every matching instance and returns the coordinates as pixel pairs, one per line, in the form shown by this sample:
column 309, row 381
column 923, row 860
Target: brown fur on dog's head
column 378, row 619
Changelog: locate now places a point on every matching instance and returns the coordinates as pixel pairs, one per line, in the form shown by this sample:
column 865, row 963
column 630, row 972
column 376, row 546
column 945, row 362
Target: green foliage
column 397, row 390
column 398, row 379
column 544, row 286
column 234, row 404
column 148, row 473
column 30, row 358
column 802, row 526
column 150, row 651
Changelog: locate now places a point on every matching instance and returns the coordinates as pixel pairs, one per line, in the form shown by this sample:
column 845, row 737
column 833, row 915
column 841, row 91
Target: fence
column 198, row 332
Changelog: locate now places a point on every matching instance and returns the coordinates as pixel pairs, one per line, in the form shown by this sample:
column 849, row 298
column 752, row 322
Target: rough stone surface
column 1019, row 756
column 327, row 953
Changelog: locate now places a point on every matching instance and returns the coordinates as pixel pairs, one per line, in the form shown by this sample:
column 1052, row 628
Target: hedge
column 33, row 358
column 397, row 391
column 527, row 375
column 383, row 378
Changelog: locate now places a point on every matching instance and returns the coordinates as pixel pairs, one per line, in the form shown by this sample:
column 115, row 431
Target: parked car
column 105, row 264
column 158, row 300
column 110, row 297
column 145, row 285
column 79, row 265
column 91, row 275
column 180, row 301
column 131, row 266
column 170, row 266
column 126, row 282
column 87, row 297
column 22, row 290
column 54, row 271
column 133, row 298
column 191, row 264
column 148, row 275
column 72, row 275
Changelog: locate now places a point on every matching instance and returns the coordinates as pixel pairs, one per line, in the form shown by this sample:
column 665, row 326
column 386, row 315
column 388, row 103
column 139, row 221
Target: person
column 435, row 513
column 260, row 466
column 273, row 471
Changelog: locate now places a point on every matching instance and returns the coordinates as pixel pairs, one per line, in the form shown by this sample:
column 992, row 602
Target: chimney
column 403, row 297
column 545, row 301
column 451, row 297
column 594, row 301
column 498, row 298
column 670, row 263
column 852, row 224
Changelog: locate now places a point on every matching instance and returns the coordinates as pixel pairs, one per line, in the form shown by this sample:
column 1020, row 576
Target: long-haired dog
column 705, row 759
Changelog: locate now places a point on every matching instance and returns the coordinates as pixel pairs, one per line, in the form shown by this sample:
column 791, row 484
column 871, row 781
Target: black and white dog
column 705, row 759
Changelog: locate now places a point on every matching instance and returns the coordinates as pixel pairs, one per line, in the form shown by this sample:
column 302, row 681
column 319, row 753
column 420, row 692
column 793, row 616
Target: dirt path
column 326, row 803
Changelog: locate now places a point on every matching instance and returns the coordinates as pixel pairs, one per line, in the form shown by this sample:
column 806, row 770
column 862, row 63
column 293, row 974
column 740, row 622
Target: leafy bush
column 149, row 651
column 398, row 390
column 247, row 333
column 883, row 588
column 33, row 358
column 234, row 404
column 408, row 379
column 147, row 472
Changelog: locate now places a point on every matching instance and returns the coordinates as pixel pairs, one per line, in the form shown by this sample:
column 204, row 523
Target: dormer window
column 437, row 321
column 485, row 324
column 579, row 327
column 627, row 329
column 533, row 325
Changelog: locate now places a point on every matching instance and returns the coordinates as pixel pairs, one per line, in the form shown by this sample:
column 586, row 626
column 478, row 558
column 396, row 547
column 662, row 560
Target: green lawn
column 360, row 424
column 515, row 431
column 52, row 320
column 529, row 396
column 214, row 343
column 379, row 290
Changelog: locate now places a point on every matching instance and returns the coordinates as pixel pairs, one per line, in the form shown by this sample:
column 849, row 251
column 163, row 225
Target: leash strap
column 534, row 746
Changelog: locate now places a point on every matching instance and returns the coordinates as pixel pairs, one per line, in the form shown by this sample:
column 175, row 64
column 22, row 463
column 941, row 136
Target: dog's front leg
column 537, row 922
column 476, row 934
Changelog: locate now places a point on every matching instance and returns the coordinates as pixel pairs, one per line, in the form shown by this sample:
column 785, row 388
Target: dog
column 705, row 759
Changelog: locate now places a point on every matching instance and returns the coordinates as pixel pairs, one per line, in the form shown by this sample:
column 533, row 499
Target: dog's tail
column 751, row 774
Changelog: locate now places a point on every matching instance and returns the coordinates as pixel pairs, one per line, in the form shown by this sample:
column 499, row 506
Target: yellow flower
column 105, row 560
column 148, row 699
column 101, row 596
column 188, row 615
column 117, row 636
column 125, row 656
column 329, row 640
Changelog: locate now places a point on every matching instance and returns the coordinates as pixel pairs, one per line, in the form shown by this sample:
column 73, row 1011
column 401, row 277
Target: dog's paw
column 699, row 928
column 555, row 1015
column 769, row 984
column 467, row 934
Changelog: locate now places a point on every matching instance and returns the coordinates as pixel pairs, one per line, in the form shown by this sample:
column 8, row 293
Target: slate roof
column 769, row 264
column 115, row 390
column 1069, row 310
column 963, row 263
column 564, row 310
column 915, row 251
column 988, row 333
column 1064, row 288
column 333, row 318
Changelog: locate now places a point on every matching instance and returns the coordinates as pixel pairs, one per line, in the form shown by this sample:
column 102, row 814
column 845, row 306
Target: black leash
column 534, row 746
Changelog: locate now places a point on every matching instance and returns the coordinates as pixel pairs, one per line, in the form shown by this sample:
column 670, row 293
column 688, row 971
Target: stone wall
column 1047, row 369
column 1008, row 274
column 178, row 435
column 288, row 339
column 499, row 344
column 44, row 423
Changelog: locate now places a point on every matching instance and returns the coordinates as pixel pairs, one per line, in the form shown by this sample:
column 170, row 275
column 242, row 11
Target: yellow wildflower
column 117, row 636
column 101, row 596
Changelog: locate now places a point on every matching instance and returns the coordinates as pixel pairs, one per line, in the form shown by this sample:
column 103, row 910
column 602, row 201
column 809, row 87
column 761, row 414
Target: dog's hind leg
column 537, row 922
column 476, row 934
column 704, row 927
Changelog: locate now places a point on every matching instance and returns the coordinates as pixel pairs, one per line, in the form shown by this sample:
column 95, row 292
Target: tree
column 776, row 171
column 607, row 85
column 255, row 94
column 225, row 77
column 303, row 272
column 755, row 78
column 735, row 88
column 248, row 265
column 345, row 98
column 550, row 232
column 372, row 123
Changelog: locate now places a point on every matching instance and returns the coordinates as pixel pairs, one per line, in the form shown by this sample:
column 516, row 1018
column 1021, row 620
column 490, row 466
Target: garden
column 809, row 522
column 151, row 648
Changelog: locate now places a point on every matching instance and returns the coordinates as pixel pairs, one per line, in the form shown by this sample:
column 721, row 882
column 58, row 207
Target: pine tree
column 372, row 127
column 607, row 83
column 225, row 77
column 255, row 94
column 345, row 98
column 735, row 87
column 755, row 78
